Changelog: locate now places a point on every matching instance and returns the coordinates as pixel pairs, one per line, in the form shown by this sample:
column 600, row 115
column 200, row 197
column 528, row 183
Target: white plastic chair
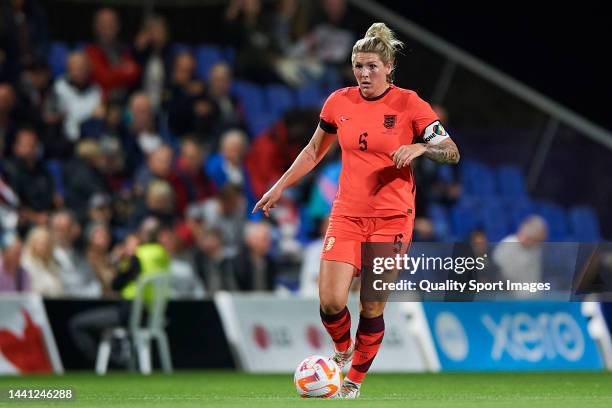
column 141, row 336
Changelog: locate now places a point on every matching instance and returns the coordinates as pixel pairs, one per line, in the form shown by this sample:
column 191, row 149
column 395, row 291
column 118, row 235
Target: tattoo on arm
column 443, row 153
column 310, row 153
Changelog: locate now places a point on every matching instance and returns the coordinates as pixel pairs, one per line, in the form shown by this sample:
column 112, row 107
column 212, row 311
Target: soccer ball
column 317, row 377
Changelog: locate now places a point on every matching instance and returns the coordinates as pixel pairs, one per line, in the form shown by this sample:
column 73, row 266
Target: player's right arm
column 308, row 158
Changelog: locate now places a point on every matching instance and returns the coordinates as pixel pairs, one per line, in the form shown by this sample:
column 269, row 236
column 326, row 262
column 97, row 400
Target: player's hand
column 268, row 201
column 406, row 153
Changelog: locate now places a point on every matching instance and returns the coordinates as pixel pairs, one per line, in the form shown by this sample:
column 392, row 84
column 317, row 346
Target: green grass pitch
column 230, row 389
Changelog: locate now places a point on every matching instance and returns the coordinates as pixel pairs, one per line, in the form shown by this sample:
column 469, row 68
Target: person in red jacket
column 272, row 152
column 113, row 67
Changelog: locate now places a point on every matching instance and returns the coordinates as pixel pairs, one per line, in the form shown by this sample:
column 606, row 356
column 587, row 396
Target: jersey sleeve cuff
column 328, row 127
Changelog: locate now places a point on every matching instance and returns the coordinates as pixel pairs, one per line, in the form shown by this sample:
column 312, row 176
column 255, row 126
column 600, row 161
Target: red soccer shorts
column 346, row 234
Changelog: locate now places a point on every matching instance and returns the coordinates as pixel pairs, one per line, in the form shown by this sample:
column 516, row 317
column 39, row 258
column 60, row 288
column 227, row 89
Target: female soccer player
column 381, row 128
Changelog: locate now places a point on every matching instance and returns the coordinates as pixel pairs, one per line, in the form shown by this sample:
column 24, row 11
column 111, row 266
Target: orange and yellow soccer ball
column 317, row 377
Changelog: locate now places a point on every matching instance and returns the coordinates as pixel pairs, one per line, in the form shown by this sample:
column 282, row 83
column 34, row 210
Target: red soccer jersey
column 369, row 130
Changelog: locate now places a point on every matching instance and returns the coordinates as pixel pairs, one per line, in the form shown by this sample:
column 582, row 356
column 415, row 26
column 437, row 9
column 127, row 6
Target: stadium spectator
column 113, row 66
column 112, row 164
column 82, row 178
column 249, row 31
column 255, row 269
column 272, row 152
column 141, row 137
column 289, row 24
column 324, row 190
column 185, row 101
column 100, row 209
column 37, row 258
column 185, row 283
column 519, row 255
column 9, row 216
column 105, row 122
column 24, row 37
column 424, row 230
column 8, row 118
column 212, row 263
column 160, row 166
column 98, row 258
column 190, row 167
column 477, row 246
column 13, row 277
column 226, row 211
column 29, row 178
column 154, row 54
column 75, row 98
column 227, row 166
column 225, row 113
column 34, row 89
column 149, row 258
column 77, row 279
column 158, row 203
column 311, row 262
column 331, row 39
column 432, row 187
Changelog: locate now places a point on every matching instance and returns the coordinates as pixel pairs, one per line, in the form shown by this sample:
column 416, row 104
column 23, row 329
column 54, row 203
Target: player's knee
column 332, row 306
column 372, row 309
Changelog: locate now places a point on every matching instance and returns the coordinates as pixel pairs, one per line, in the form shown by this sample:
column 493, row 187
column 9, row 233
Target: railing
column 557, row 113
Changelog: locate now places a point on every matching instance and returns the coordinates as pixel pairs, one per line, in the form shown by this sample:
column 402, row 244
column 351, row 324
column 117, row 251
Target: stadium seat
column 463, row 221
column 260, row 122
column 439, row 218
column 495, row 220
column 584, row 224
column 555, row 218
column 511, row 182
column 55, row 169
column 181, row 47
column 445, row 173
column 518, row 211
column 310, row 95
column 58, row 53
column 331, row 81
column 229, row 55
column 280, row 99
column 484, row 183
column 251, row 95
column 206, row 56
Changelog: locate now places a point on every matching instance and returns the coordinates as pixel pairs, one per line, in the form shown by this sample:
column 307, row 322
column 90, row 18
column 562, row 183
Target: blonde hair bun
column 381, row 40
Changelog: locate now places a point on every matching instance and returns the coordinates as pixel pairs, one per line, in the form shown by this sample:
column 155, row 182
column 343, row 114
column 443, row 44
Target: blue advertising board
column 511, row 336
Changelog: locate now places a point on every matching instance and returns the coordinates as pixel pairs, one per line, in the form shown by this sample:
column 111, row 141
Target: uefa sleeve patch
column 435, row 133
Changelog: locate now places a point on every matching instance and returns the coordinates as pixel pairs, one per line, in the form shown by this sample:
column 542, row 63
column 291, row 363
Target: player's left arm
column 445, row 152
column 438, row 147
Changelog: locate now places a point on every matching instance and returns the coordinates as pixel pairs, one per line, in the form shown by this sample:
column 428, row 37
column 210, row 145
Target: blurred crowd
column 132, row 132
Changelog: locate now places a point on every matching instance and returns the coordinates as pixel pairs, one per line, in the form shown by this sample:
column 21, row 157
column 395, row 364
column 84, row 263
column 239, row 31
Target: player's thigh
column 335, row 280
column 391, row 236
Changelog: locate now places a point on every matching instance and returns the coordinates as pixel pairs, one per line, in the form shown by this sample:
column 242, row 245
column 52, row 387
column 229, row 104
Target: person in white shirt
column 37, row 258
column 75, row 98
column 519, row 256
column 77, row 278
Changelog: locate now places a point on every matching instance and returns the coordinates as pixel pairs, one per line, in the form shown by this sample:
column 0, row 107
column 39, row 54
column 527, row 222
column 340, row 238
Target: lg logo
column 265, row 337
column 532, row 339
